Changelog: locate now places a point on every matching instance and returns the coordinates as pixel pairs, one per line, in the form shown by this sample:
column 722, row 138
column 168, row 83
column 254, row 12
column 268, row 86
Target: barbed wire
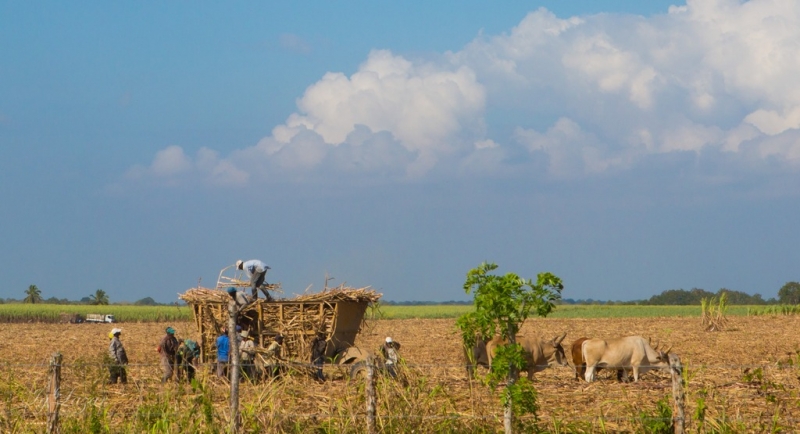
column 497, row 416
column 694, row 367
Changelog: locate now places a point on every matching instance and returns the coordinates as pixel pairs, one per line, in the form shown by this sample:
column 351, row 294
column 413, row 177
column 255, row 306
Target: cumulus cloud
column 588, row 95
column 423, row 106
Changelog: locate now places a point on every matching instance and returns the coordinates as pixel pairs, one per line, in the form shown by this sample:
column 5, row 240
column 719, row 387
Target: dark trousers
column 390, row 368
column 188, row 369
column 248, row 370
column 318, row 364
column 256, row 280
column 117, row 372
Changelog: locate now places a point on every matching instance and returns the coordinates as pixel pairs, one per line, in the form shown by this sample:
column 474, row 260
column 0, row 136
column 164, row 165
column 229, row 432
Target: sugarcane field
column 745, row 378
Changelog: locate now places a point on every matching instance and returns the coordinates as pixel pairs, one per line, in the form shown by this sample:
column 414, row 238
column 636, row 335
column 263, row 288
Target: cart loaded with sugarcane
column 336, row 312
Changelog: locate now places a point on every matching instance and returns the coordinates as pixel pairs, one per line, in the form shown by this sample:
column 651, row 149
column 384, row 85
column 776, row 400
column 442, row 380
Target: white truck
column 93, row 317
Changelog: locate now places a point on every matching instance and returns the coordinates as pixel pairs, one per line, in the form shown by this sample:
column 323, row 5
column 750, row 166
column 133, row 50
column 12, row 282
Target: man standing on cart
column 257, row 271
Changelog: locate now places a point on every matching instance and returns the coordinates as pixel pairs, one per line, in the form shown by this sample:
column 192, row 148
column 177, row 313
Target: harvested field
column 747, row 379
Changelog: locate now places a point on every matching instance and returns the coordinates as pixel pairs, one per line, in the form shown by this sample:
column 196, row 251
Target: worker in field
column 118, row 358
column 247, row 355
column 318, row 346
column 272, row 357
column 168, row 348
column 389, row 349
column 223, row 344
column 257, row 271
column 188, row 352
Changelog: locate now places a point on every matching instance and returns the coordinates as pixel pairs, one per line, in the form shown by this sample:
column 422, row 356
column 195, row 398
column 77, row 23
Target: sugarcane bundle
column 342, row 293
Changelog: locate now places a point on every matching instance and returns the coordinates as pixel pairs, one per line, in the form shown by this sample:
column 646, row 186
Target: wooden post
column 372, row 401
column 233, row 311
column 678, row 418
column 513, row 375
column 54, row 393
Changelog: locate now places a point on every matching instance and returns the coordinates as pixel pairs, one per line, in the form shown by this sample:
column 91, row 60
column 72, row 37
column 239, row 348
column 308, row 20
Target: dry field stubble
column 747, row 378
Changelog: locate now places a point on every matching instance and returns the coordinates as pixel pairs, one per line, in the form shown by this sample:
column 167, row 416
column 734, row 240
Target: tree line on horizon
column 788, row 294
column 33, row 295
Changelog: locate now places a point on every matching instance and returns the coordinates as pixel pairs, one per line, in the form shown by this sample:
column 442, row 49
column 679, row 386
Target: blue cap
column 238, row 328
column 231, row 290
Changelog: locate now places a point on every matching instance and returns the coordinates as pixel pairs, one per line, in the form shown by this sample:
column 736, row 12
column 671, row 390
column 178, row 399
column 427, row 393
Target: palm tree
column 99, row 297
column 33, row 295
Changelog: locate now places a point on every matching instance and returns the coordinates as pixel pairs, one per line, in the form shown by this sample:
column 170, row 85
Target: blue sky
column 628, row 147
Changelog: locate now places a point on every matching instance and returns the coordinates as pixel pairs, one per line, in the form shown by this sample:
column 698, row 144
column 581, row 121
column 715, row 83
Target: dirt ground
column 747, row 376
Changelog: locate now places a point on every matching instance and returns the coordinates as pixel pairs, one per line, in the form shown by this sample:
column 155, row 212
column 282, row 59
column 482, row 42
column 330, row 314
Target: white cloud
column 170, row 161
column 716, row 78
column 486, row 144
column 171, row 166
column 771, row 122
column 571, row 151
column 421, row 105
column 424, row 108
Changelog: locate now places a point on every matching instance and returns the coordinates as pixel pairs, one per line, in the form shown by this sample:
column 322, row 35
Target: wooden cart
column 337, row 312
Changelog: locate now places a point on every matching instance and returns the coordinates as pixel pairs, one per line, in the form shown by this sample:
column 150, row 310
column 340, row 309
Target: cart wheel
column 358, row 370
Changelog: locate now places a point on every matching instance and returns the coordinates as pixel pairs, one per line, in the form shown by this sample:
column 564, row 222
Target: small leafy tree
column 99, row 298
column 502, row 304
column 789, row 293
column 33, row 295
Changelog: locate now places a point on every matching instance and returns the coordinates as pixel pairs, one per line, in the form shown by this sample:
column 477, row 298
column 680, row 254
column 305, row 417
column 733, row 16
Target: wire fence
column 775, row 385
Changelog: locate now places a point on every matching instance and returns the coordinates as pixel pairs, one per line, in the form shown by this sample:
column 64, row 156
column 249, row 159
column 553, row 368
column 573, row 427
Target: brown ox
column 539, row 352
column 628, row 353
column 580, row 363
column 477, row 358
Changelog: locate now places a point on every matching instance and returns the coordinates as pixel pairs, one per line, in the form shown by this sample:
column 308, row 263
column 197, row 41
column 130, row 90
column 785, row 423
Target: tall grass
column 562, row 311
column 53, row 312
column 783, row 309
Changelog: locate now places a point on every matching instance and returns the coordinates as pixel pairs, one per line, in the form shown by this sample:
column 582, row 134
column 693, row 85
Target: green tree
column 33, row 295
column 99, row 298
column 147, row 301
column 789, row 293
column 502, row 304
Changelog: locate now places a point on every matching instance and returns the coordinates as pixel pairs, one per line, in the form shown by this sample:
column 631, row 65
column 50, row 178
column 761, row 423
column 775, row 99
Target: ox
column 628, row 353
column 539, row 352
column 580, row 363
column 477, row 358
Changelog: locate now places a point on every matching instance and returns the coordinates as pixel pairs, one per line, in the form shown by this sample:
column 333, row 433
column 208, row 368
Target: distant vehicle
column 93, row 317
column 72, row 318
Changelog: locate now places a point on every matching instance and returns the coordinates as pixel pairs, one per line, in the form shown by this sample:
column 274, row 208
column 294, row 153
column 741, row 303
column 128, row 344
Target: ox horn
column 557, row 340
column 655, row 347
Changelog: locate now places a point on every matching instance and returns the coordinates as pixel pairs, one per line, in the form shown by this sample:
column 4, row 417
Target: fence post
column 54, row 393
column 372, row 400
column 233, row 310
column 678, row 418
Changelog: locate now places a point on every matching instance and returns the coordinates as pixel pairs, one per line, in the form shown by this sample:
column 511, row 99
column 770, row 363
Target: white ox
column 539, row 352
column 628, row 353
